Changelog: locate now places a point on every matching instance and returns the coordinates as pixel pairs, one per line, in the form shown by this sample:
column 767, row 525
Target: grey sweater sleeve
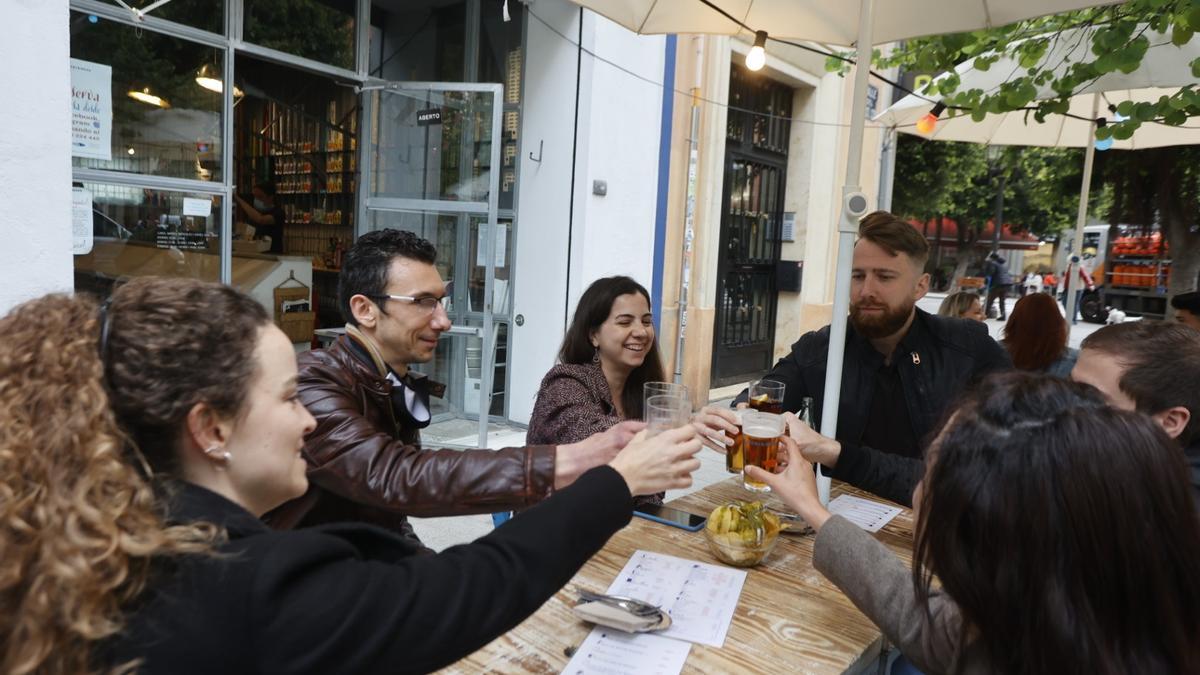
column 880, row 585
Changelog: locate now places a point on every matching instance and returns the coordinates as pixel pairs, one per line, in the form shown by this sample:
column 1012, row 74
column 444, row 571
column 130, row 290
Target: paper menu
column 869, row 515
column 610, row 652
column 699, row 597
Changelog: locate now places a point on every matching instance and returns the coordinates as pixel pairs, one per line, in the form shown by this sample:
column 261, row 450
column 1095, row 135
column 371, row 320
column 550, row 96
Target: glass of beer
column 761, row 432
column 666, row 412
column 767, row 396
column 733, row 452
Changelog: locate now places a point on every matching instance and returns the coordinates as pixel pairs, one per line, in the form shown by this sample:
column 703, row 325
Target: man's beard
column 874, row 326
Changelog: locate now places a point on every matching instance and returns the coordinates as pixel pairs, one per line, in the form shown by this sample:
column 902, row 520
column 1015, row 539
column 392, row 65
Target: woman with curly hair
column 1061, row 531
column 139, row 444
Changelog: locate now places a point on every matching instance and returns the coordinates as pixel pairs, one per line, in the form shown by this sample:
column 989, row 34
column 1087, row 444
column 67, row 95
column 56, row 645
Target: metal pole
column 853, row 206
column 689, row 221
column 998, row 221
column 1089, row 155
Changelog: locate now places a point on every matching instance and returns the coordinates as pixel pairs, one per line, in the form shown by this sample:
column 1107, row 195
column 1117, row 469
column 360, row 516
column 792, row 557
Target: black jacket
column 937, row 360
column 354, row 598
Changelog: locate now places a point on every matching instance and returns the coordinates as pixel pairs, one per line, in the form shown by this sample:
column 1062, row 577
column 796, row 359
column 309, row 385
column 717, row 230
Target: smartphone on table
column 669, row 516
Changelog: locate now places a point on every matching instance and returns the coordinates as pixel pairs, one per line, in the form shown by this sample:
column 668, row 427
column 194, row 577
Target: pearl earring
column 215, row 452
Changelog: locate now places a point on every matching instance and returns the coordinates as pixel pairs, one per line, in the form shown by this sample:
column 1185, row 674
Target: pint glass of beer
column 733, row 452
column 760, row 444
column 767, row 396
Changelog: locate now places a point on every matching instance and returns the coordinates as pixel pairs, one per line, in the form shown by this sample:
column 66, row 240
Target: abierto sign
column 91, row 110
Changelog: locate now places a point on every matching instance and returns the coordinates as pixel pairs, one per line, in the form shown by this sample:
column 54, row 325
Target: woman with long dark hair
column 607, row 354
column 139, row 445
column 1061, row 531
column 1036, row 337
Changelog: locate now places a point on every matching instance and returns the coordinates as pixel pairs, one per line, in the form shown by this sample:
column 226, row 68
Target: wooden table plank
column 789, row 617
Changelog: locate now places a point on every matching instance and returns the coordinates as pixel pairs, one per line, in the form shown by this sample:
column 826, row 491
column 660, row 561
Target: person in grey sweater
column 1061, row 531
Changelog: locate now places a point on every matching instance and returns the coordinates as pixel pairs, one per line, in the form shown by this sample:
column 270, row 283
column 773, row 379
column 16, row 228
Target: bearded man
column 903, row 366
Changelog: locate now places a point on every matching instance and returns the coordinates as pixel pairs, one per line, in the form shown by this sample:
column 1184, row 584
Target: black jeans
column 997, row 292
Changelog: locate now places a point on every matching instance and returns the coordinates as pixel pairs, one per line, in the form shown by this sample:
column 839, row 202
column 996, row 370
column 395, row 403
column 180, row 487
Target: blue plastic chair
column 499, row 519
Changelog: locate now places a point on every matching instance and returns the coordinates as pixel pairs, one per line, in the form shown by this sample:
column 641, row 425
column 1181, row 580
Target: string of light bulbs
column 756, row 58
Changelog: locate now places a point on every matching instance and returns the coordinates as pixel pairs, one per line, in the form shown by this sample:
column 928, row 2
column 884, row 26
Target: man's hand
column 571, row 461
column 813, row 446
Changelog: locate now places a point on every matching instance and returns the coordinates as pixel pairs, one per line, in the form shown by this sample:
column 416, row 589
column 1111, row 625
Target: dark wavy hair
column 1036, row 334
column 1064, row 530
column 173, row 343
column 365, row 267
column 593, row 309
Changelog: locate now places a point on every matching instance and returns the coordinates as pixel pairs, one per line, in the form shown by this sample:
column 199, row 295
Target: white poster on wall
column 81, row 221
column 91, row 110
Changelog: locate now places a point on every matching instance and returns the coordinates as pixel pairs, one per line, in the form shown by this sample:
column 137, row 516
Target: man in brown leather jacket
column 365, row 459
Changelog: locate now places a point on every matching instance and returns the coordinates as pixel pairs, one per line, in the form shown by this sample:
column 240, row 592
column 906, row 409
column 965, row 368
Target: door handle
column 474, row 331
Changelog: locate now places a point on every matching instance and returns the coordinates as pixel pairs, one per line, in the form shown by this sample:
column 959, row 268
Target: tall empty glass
column 760, row 444
column 666, row 412
column 663, row 389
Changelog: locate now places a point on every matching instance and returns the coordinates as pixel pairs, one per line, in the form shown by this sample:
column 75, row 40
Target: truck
column 1131, row 271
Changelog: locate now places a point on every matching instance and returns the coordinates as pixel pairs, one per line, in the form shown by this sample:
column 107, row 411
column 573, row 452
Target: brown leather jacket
column 364, row 467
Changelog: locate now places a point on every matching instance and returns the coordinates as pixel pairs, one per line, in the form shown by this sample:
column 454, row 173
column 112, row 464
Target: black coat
column 937, row 360
column 356, row 598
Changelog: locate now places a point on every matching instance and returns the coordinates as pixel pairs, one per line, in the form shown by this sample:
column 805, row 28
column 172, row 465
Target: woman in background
column 962, row 305
column 140, row 444
column 1036, row 337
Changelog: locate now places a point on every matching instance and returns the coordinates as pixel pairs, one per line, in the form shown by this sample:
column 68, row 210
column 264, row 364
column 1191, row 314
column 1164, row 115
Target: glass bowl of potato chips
column 741, row 534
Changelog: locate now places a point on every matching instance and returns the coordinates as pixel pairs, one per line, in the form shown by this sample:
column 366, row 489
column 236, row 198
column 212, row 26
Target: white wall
column 35, row 161
column 617, row 142
column 615, row 232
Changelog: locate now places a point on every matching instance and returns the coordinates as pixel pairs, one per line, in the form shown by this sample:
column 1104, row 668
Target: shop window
column 321, row 30
column 143, row 232
column 206, row 15
column 165, row 99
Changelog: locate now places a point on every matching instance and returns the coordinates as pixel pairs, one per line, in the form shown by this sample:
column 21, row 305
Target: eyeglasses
column 429, row 303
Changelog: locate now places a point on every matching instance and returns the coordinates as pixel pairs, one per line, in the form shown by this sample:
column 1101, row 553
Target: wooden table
column 789, row 617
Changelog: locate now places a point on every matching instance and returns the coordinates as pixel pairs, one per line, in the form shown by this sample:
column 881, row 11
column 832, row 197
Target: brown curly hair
column 173, row 343
column 80, row 526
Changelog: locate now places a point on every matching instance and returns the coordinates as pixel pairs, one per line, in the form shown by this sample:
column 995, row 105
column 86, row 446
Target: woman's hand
column 664, row 462
column 796, row 486
column 716, row 426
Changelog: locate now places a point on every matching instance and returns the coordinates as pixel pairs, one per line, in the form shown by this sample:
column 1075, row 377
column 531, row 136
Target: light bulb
column 927, row 124
column 130, row 150
column 1103, row 144
column 756, row 58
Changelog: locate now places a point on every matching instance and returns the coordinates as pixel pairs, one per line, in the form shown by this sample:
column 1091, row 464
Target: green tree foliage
column 1148, row 187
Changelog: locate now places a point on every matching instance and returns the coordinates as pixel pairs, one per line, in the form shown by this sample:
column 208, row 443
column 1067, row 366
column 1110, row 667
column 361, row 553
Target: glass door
column 432, row 167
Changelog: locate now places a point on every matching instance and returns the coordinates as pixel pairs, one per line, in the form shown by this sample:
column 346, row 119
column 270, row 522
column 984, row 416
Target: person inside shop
column 1187, row 308
column 608, row 353
column 1037, row 505
column 265, row 215
column 902, row 368
column 143, row 439
column 1152, row 367
column 365, row 458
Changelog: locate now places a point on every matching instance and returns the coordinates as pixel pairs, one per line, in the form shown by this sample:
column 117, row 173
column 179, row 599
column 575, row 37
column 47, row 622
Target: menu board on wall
column 91, row 110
